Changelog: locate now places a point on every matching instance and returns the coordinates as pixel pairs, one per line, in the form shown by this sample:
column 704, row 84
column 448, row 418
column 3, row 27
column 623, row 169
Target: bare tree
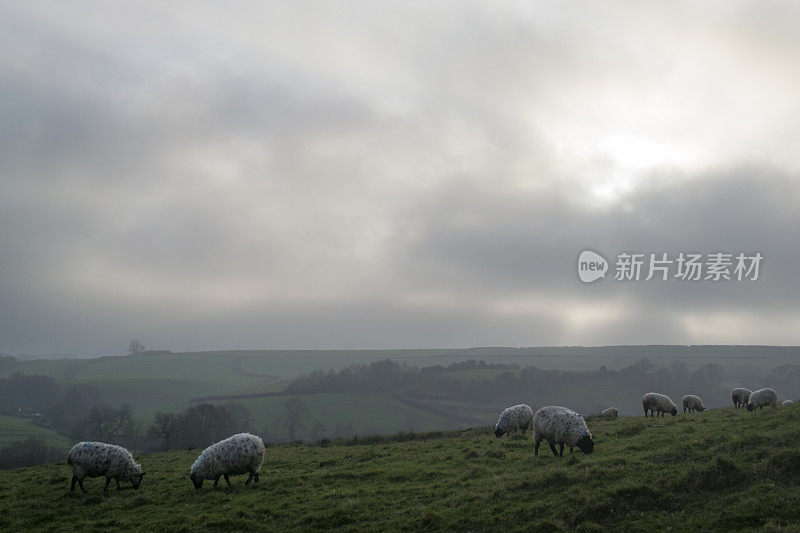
column 296, row 415
column 135, row 347
column 318, row 430
column 206, row 423
column 131, row 430
column 165, row 426
column 105, row 422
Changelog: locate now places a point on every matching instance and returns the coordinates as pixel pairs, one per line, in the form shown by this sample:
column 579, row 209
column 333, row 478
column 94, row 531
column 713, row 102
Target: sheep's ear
column 142, row 474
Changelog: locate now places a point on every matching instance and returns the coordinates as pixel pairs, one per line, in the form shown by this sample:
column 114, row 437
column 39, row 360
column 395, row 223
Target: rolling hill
column 718, row 470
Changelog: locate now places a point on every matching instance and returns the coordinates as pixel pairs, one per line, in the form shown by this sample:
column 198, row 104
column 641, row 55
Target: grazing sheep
column 514, row 418
column 611, row 412
column 787, row 402
column 761, row 398
column 739, row 397
column 242, row 453
column 658, row 403
column 559, row 425
column 692, row 403
column 95, row 459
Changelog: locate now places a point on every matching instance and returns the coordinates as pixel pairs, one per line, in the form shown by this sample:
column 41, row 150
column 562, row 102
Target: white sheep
column 95, row 459
column 242, row 453
column 611, row 412
column 658, row 403
column 559, row 425
column 761, row 398
column 787, row 402
column 693, row 403
column 516, row 418
column 739, row 397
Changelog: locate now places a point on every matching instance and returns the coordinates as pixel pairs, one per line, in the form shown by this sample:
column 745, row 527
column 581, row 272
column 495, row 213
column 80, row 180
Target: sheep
column 611, row 412
column 559, row 425
column 787, row 402
column 761, row 398
column 739, row 397
column 692, row 403
column 514, row 418
column 658, row 403
column 242, row 453
column 95, row 459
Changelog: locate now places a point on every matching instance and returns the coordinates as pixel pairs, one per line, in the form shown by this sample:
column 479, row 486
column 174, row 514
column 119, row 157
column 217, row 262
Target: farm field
column 366, row 413
column 171, row 381
column 718, row 470
column 14, row 428
column 246, row 368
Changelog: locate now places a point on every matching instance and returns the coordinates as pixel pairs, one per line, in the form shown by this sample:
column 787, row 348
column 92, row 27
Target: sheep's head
column 674, row 411
column 197, row 480
column 137, row 479
column 701, row 408
column 498, row 432
column 586, row 444
column 750, row 406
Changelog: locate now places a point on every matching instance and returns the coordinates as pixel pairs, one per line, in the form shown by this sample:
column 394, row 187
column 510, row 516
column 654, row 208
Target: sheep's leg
column 74, row 480
column 571, row 450
column 108, row 481
column 561, row 449
column 536, row 444
column 80, row 483
column 117, row 480
column 248, row 479
column 216, row 480
column 552, row 447
column 228, row 481
column 256, row 477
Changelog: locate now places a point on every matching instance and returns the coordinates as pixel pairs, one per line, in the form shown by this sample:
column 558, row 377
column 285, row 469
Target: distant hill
column 259, row 379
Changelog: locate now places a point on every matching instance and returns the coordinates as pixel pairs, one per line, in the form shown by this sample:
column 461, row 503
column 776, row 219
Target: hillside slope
column 718, row 470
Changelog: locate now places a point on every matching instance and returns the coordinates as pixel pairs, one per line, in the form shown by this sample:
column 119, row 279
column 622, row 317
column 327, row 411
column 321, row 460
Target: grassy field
column 718, row 470
column 15, row 429
column 368, row 414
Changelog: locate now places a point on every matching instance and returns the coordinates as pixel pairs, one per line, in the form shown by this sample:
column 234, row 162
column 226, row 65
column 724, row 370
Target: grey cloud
column 389, row 175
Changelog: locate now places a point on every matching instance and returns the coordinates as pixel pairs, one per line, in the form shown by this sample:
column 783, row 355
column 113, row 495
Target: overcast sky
column 392, row 174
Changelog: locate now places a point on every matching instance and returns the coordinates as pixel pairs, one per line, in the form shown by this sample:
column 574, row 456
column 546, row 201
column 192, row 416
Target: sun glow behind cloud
column 450, row 159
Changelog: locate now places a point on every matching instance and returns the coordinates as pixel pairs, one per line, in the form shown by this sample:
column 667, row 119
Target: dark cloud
column 391, row 175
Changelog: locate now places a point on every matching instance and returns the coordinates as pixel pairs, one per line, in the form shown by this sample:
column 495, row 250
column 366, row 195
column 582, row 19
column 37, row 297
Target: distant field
column 368, row 414
column 15, row 429
column 255, row 367
column 152, row 394
column 153, row 382
column 720, row 470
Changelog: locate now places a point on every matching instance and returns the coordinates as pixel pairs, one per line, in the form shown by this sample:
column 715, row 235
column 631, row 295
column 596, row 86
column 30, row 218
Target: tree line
column 437, row 381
